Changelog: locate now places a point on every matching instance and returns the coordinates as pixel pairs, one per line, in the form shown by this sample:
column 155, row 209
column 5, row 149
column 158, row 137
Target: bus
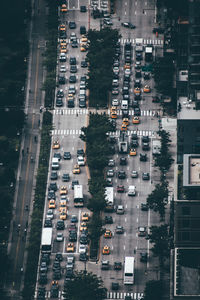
column 129, row 270
column 78, row 196
column 46, row 243
column 109, row 197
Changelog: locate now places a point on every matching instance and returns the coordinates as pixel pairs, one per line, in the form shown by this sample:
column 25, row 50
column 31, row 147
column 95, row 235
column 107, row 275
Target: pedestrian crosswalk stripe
column 116, row 295
column 131, row 112
column 70, row 111
column 143, row 41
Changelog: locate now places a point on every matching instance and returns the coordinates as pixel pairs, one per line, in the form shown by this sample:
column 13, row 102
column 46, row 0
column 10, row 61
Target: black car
column 73, row 236
column 119, row 229
column 69, row 274
column 72, row 61
column 145, row 138
column 45, row 258
column 61, row 80
column 83, row 8
column 146, row 75
column 48, row 223
column 72, row 25
column 51, row 195
column 137, row 83
column 123, row 161
column 42, row 280
column 137, row 97
column 143, row 256
column 144, row 207
column 115, row 286
column 145, row 176
column 74, row 44
column 135, row 103
column 54, row 175
column 67, row 155
column 73, row 69
column 138, row 74
column 41, row 294
column 83, row 239
column 145, row 146
column 137, row 111
column 108, row 220
column 128, row 25
column 53, row 186
column 56, row 265
column 59, row 256
column 60, row 94
column 143, row 157
column 57, row 155
column 84, row 64
column 121, row 174
column 74, row 182
column 59, row 102
column 82, row 103
column 60, row 225
column 83, row 257
column 65, row 177
column 80, row 152
column 134, row 143
column 72, row 79
column 82, row 30
column 125, row 113
column 57, row 274
column 117, row 265
column 134, row 136
column 138, row 56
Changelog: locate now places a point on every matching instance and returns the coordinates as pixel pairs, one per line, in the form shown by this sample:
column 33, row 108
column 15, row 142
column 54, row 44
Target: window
column 185, row 223
column 185, row 236
column 186, row 211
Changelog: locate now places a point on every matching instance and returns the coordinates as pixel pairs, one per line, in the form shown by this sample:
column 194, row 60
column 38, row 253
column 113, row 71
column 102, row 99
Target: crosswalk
column 135, row 296
column 65, row 132
column 110, row 295
column 142, row 41
column 147, row 113
column 133, row 41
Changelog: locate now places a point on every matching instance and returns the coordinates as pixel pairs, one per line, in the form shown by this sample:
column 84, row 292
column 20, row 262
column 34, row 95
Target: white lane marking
column 124, row 247
column 137, row 220
column 124, row 233
column 125, row 220
column 125, row 12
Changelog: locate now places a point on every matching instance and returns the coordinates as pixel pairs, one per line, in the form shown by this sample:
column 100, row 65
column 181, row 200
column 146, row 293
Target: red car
column 120, row 189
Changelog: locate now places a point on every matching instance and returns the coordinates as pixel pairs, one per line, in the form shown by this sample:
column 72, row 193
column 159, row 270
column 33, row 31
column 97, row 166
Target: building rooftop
column 191, row 170
column 186, row 271
column 187, row 109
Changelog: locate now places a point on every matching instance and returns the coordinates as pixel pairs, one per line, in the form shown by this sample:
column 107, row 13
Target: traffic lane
column 73, row 4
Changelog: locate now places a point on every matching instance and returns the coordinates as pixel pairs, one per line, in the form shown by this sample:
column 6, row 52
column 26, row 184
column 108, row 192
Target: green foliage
column 158, row 198
column 100, row 56
column 164, row 160
column 153, row 290
column 85, row 286
column 159, row 236
column 37, row 215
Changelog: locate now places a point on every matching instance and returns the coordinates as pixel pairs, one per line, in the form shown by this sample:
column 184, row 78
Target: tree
column 164, row 160
column 84, row 286
column 158, row 198
column 97, row 203
column 159, row 236
column 153, row 290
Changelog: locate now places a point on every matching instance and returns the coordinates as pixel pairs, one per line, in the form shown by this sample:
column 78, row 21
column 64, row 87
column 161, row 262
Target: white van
column 124, row 104
column 55, row 165
column 82, row 93
column 131, row 190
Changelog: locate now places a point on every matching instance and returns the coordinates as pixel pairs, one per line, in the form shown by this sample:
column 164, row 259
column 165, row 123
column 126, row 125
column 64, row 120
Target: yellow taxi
column 62, row 27
column 126, row 121
column 63, row 42
column 63, row 49
column 136, row 120
column 147, row 89
column 76, row 169
column 84, row 39
column 124, row 127
column 106, row 250
column 127, row 66
column 114, row 115
column 52, row 203
column 133, row 152
column 54, row 283
column 83, row 48
column 108, row 234
column 70, row 247
column 85, row 216
column 137, row 91
column 63, row 8
column 56, row 145
column 63, row 215
column 83, row 226
column 63, row 190
column 63, row 205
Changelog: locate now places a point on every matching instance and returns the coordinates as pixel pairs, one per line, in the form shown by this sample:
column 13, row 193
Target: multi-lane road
column 67, row 123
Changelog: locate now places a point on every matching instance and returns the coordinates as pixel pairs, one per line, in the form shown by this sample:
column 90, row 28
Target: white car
column 50, row 214
column 120, row 210
column 82, row 249
column 63, row 69
column 80, row 161
column 127, row 72
column 59, row 237
column 115, row 102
